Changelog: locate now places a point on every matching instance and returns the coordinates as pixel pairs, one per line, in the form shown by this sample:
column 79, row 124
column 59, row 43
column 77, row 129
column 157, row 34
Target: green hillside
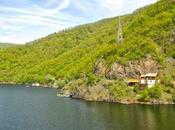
column 149, row 31
column 5, row 45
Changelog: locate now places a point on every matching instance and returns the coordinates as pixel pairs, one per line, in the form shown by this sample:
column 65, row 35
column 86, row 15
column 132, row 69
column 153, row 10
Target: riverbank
column 102, row 92
column 125, row 102
column 116, row 91
column 27, row 84
column 9, row 83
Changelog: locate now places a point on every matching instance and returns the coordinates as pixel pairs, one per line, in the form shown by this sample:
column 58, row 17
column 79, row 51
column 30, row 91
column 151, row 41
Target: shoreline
column 126, row 103
column 27, row 84
column 83, row 99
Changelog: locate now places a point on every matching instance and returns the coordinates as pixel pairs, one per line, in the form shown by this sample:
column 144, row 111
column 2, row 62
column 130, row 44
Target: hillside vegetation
column 5, row 45
column 148, row 32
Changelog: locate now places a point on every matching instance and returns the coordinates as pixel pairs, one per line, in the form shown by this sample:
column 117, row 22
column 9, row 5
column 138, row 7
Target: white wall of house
column 151, row 83
column 143, row 81
column 148, row 82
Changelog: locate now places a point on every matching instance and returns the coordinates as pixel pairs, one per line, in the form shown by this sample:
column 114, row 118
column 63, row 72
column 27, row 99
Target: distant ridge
column 5, row 45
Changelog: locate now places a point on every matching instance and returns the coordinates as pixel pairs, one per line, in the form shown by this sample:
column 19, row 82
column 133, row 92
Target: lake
column 23, row 108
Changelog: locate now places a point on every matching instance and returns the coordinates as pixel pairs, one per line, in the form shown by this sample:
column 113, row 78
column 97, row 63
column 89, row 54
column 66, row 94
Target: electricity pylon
column 120, row 32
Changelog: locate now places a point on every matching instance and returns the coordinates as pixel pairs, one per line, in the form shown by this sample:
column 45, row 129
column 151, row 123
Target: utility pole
column 120, row 32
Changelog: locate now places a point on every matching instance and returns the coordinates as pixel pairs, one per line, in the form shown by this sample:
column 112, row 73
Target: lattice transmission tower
column 120, row 32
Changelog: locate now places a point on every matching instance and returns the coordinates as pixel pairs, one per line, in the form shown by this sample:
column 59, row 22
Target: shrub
column 151, row 93
column 173, row 96
column 167, row 79
column 91, row 79
column 60, row 83
column 168, row 90
column 136, row 88
column 155, row 92
column 118, row 91
column 144, row 96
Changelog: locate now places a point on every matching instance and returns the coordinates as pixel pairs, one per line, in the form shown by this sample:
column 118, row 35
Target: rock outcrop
column 131, row 69
column 100, row 68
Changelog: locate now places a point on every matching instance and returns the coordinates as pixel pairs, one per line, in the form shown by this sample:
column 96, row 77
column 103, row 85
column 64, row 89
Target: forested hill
column 149, row 31
column 4, row 45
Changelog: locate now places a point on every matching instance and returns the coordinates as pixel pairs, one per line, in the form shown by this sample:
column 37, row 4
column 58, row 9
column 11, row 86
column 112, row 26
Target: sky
column 22, row 21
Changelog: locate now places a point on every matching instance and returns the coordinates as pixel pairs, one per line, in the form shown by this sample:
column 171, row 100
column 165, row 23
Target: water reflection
column 40, row 109
column 134, row 117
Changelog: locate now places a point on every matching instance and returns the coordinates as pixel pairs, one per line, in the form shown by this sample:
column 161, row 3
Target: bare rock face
column 148, row 66
column 132, row 69
column 116, row 71
column 100, row 68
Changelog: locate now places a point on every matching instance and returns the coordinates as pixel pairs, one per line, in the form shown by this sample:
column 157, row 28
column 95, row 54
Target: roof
column 149, row 75
column 133, row 81
column 142, row 76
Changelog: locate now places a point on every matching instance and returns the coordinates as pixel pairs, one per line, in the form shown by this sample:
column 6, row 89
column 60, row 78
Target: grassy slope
column 65, row 54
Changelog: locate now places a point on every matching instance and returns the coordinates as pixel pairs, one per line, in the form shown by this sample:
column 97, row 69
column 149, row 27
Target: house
column 133, row 82
column 148, row 80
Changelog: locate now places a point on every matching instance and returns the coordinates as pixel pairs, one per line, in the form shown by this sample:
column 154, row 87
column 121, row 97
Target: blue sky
column 26, row 20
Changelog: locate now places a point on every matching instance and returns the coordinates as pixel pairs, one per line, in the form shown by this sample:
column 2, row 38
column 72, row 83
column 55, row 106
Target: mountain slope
column 149, row 31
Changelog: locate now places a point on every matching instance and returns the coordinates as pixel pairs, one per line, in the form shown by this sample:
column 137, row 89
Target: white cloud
column 34, row 9
column 112, row 5
column 51, row 19
column 33, row 20
column 18, row 40
column 85, row 5
column 60, row 6
column 98, row 9
column 141, row 3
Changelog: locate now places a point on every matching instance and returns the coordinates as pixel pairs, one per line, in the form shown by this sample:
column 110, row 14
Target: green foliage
column 168, row 90
column 68, row 53
column 91, row 79
column 118, row 91
column 156, row 92
column 151, row 93
column 173, row 96
column 144, row 96
column 60, row 83
column 49, row 79
column 136, row 89
column 167, row 79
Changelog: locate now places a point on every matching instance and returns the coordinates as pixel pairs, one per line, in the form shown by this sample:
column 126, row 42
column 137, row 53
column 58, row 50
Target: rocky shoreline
column 94, row 94
column 126, row 102
column 108, row 91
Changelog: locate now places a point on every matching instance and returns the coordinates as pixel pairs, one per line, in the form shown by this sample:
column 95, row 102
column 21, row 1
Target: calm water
column 40, row 109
